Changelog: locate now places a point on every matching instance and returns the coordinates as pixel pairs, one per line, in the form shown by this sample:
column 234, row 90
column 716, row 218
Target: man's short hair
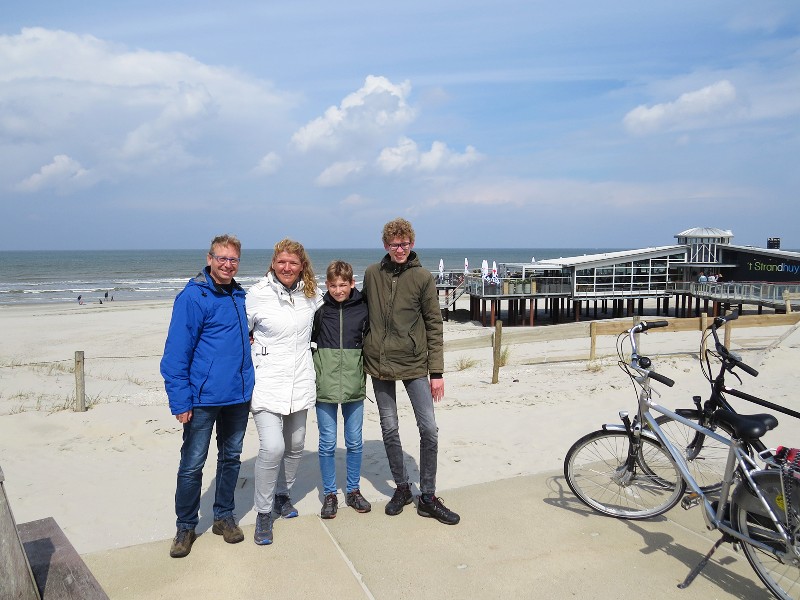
column 398, row 228
column 339, row 269
column 226, row 240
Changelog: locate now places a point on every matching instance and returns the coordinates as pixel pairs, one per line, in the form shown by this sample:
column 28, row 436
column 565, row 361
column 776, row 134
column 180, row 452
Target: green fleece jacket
column 405, row 338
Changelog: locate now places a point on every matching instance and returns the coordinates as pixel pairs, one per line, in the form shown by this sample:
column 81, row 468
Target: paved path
column 526, row 537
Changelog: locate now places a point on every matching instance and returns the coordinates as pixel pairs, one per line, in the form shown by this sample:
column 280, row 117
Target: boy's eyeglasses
column 403, row 245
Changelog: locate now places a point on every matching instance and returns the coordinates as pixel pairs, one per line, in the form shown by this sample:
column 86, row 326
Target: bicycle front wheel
column 705, row 457
column 599, row 471
column 780, row 575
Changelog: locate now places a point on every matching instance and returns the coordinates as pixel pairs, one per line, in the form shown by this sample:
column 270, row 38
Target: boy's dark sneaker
column 329, row 506
column 283, row 506
column 263, row 533
column 357, row 501
column 182, row 544
column 402, row 497
column 436, row 510
column 228, row 529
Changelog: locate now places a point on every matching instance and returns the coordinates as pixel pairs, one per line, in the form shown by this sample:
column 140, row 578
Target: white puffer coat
column 281, row 322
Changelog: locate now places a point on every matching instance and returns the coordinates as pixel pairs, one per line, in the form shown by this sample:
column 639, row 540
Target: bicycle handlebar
column 720, row 347
column 645, row 325
column 661, row 378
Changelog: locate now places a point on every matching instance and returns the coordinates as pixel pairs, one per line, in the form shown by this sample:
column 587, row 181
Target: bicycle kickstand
column 704, row 561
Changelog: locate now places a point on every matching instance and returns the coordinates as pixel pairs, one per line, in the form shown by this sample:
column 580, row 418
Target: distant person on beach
column 208, row 374
column 280, row 313
column 340, row 325
column 80, row 299
column 405, row 343
column 106, row 296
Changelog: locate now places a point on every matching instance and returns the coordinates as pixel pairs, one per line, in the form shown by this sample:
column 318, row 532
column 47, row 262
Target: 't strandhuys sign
column 752, row 266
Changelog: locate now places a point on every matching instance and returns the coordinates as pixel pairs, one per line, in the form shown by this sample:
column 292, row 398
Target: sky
column 514, row 124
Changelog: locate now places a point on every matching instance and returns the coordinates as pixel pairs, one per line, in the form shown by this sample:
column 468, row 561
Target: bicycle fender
column 643, row 432
column 769, row 481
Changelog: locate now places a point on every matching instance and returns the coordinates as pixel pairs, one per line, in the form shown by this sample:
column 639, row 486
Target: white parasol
column 441, row 269
column 494, row 269
column 485, row 269
column 466, row 267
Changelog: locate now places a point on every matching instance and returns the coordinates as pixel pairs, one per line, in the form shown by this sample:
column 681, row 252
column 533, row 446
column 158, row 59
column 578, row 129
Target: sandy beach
column 107, row 475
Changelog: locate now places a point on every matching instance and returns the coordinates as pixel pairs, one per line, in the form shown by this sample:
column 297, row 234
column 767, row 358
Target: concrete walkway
column 526, row 537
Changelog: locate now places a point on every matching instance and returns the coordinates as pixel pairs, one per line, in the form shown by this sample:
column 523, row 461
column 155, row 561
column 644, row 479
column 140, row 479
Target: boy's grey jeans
column 419, row 392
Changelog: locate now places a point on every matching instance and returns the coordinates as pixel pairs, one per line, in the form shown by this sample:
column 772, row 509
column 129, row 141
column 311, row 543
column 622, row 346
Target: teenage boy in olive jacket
column 405, row 343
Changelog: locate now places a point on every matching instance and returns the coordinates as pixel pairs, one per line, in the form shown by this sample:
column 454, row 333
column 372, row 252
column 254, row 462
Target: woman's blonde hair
column 307, row 273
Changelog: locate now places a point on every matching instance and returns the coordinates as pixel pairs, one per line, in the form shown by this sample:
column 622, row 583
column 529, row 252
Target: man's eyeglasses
column 403, row 245
column 223, row 259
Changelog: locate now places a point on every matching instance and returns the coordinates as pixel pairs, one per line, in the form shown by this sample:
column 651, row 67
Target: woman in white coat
column 280, row 313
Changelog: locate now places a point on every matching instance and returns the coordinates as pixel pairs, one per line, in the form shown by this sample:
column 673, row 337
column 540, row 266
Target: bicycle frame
column 738, row 458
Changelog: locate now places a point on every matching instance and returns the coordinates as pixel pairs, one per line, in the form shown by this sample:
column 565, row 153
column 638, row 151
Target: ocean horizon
column 60, row 276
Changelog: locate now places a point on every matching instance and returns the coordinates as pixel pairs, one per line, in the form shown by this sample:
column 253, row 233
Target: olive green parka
column 405, row 338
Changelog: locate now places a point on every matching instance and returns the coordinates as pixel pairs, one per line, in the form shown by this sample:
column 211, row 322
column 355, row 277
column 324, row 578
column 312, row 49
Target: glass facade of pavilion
column 644, row 275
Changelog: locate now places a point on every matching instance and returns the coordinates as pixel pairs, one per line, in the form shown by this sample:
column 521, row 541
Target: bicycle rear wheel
column 705, row 457
column 598, row 471
column 749, row 518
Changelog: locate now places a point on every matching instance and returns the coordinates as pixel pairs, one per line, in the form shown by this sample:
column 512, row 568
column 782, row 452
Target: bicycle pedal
column 690, row 500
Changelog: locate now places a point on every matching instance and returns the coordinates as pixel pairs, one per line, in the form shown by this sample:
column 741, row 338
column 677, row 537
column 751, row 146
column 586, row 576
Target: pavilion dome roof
column 705, row 232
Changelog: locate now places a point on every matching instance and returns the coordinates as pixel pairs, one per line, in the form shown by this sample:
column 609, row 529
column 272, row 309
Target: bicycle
column 705, row 456
column 633, row 471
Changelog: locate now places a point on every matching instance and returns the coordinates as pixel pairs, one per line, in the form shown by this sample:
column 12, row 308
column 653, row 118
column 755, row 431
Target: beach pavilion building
column 617, row 284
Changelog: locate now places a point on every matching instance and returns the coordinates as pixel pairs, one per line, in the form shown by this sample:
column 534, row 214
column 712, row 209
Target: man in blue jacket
column 208, row 374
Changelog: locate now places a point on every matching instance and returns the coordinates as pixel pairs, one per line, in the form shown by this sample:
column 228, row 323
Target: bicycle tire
column 596, row 469
column 750, row 519
column 705, row 457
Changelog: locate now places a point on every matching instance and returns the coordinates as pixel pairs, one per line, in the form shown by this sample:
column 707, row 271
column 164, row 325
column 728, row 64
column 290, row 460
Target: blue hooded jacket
column 207, row 357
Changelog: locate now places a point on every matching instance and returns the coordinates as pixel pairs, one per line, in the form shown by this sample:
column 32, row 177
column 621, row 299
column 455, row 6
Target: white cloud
column 406, row 155
column 63, row 174
column 692, row 109
column 354, row 201
column 128, row 111
column 339, row 172
column 379, row 108
column 269, row 164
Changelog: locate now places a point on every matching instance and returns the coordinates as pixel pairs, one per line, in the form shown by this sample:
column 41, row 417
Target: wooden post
column 703, row 325
column 17, row 577
column 728, row 328
column 636, row 320
column 80, row 383
column 498, row 342
column 593, row 336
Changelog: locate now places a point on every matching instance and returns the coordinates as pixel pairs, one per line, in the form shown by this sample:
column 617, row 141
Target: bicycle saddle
column 746, row 427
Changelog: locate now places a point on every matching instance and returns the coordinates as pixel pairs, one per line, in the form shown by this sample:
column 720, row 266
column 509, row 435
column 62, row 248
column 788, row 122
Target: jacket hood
column 355, row 297
column 203, row 279
column 388, row 265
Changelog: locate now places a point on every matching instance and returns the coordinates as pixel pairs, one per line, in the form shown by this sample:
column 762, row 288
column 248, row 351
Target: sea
column 53, row 277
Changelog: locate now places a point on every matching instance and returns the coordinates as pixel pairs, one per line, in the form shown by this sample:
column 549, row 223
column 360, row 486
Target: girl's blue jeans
column 353, row 413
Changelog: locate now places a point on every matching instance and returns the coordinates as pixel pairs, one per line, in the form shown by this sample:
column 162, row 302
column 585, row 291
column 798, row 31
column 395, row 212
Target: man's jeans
column 231, row 422
column 353, row 413
column 419, row 392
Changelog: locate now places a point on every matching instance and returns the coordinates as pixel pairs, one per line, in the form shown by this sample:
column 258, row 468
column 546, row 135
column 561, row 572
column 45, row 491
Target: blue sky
column 505, row 124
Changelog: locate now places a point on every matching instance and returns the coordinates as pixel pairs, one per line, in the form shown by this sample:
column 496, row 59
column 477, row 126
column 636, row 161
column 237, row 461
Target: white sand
column 108, row 475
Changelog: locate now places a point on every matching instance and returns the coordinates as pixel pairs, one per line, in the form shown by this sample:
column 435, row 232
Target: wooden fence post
column 80, row 383
column 728, row 328
column 636, row 320
column 593, row 335
column 498, row 342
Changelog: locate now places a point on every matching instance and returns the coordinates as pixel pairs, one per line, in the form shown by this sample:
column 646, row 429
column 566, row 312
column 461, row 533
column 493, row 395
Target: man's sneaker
column 228, row 529
column 436, row 510
column 402, row 497
column 263, row 534
column 358, row 502
column 283, row 506
column 329, row 506
column 182, row 544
